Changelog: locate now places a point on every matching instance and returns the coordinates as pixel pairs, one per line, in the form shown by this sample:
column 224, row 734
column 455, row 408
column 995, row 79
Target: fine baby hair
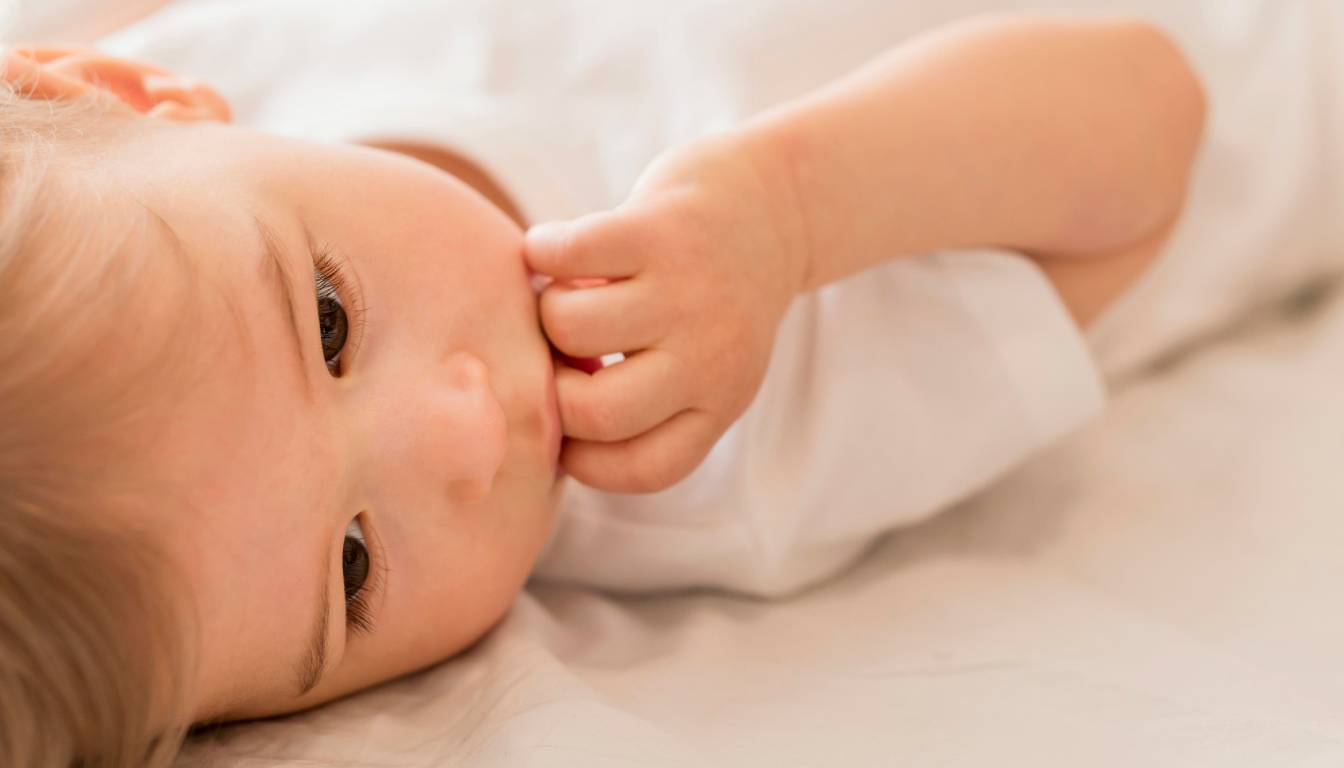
column 87, row 655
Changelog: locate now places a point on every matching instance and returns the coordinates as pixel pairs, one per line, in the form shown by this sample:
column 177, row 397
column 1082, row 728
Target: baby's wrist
column 769, row 158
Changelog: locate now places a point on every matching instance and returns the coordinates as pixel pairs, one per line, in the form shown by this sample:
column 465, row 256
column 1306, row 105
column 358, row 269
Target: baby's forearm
column 1059, row 138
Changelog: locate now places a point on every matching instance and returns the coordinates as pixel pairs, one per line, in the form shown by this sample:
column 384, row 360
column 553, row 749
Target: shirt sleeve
column 890, row 396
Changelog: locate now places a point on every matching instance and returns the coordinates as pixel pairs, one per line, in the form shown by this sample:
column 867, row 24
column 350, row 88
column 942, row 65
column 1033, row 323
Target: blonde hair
column 92, row 648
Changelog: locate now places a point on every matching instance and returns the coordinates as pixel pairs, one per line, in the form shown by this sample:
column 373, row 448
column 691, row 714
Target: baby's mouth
column 588, row 365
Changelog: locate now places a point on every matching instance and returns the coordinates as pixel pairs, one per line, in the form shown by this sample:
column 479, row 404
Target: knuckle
column 595, row 416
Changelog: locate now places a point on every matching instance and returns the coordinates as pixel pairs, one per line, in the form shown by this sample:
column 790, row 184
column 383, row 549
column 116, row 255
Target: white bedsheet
column 1162, row 589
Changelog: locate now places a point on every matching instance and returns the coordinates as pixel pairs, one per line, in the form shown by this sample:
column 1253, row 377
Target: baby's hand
column 700, row 264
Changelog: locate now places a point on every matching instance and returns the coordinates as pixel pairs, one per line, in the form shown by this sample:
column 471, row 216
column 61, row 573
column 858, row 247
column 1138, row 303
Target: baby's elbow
column 1174, row 108
column 1151, row 110
column 1165, row 66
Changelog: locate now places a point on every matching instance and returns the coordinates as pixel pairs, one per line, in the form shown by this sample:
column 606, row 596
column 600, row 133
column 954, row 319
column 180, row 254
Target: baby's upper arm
column 1088, row 285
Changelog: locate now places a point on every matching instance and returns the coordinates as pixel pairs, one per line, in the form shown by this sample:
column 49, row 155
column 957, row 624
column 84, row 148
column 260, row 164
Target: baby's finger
column 591, row 322
column 648, row 463
column 608, row 244
column 622, row 400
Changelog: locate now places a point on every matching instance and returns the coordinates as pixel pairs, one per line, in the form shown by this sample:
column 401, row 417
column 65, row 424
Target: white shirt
column 890, row 395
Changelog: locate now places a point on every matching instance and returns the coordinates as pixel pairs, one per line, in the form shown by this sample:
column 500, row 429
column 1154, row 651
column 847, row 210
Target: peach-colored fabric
column 54, row 73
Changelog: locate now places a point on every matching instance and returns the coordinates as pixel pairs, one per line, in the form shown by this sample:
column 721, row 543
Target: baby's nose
column 478, row 432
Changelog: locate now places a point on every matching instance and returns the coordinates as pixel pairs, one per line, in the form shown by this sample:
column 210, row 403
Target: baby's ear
column 64, row 74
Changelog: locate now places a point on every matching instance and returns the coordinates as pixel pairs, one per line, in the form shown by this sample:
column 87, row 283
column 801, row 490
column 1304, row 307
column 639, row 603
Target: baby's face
column 400, row 392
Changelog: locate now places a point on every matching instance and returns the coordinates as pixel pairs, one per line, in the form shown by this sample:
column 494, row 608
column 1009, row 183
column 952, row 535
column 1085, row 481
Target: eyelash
column 329, row 275
column 358, row 615
column 358, row 607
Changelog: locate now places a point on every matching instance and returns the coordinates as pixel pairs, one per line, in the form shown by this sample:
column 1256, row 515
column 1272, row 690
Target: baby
column 281, row 419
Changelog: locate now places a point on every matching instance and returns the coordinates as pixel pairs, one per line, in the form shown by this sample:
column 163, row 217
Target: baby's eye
column 332, row 324
column 354, row 562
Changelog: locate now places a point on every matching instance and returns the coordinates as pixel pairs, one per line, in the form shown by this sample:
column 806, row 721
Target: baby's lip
column 589, row 365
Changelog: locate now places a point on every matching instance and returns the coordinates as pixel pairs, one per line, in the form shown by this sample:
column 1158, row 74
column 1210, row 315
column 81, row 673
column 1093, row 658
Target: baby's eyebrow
column 314, row 662
column 277, row 273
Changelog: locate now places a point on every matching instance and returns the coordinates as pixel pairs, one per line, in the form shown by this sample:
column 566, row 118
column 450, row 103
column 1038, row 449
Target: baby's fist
column 688, row 279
